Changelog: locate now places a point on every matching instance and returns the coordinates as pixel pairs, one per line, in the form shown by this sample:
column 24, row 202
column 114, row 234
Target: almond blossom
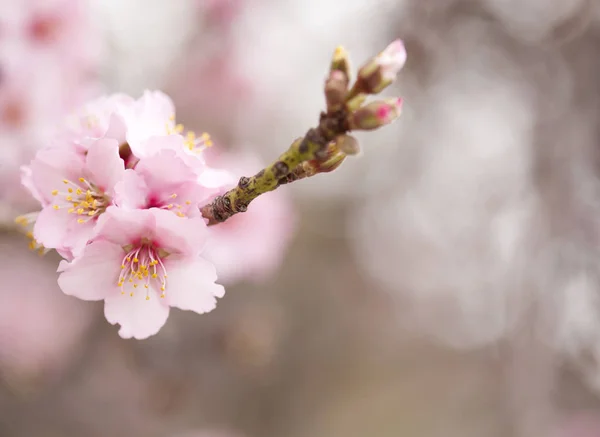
column 141, row 263
column 75, row 191
column 165, row 181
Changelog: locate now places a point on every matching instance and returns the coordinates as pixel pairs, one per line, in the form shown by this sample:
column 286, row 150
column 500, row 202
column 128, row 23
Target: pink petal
column 179, row 234
column 155, row 144
column 51, row 166
column 27, row 181
column 139, row 318
column 105, row 164
column 52, row 226
column 191, row 285
column 116, row 129
column 94, row 275
column 77, row 238
column 124, row 226
column 131, row 192
column 164, row 168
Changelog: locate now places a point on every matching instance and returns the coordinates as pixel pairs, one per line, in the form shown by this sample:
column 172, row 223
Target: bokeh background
column 443, row 284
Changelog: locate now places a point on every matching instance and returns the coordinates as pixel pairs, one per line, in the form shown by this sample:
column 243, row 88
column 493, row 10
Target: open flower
column 141, row 262
column 75, row 190
column 165, row 181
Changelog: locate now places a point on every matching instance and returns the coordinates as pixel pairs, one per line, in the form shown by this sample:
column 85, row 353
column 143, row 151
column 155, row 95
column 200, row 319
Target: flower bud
column 348, row 144
column 382, row 70
column 332, row 163
column 376, row 114
column 341, row 62
column 336, row 87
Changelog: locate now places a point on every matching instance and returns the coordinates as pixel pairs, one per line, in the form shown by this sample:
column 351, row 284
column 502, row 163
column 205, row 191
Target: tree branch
column 323, row 149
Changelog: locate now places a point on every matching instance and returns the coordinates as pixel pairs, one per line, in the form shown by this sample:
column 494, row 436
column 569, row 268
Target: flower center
column 82, row 198
column 170, row 203
column 192, row 143
column 142, row 268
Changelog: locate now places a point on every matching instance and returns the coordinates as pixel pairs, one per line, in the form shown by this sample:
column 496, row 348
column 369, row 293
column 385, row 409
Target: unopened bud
column 348, row 144
column 382, row 70
column 356, row 102
column 336, row 87
column 341, row 61
column 376, row 114
column 332, row 163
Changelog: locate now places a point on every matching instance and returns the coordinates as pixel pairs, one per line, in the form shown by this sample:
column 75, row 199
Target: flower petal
column 104, row 164
column 139, row 318
column 155, row 144
column 116, row 128
column 124, row 226
column 179, row 235
column 164, row 169
column 94, row 275
column 191, row 285
column 51, row 166
column 131, row 192
column 52, row 226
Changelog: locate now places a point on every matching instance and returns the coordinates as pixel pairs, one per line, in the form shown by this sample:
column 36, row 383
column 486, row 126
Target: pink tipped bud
column 381, row 70
column 392, row 59
column 376, row 114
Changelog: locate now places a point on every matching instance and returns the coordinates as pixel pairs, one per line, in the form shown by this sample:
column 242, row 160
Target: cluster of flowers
column 120, row 192
column 48, row 54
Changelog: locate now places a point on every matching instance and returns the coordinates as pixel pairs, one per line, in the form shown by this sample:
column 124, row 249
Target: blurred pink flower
column 580, row 425
column 250, row 245
column 47, row 51
column 221, row 12
column 40, row 328
column 127, row 264
column 49, row 30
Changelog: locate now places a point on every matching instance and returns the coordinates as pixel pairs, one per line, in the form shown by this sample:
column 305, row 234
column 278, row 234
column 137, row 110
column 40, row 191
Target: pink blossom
column 75, row 190
column 165, row 181
column 250, row 245
column 141, row 262
column 150, row 116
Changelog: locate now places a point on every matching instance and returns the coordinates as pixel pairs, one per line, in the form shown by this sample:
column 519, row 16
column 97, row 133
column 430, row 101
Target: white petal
column 94, row 275
column 139, row 318
column 191, row 285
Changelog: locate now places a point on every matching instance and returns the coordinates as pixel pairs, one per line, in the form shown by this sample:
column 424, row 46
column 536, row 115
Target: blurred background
column 443, row 284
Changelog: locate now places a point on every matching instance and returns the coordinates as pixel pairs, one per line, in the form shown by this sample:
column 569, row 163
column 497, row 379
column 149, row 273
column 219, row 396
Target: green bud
column 348, row 144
